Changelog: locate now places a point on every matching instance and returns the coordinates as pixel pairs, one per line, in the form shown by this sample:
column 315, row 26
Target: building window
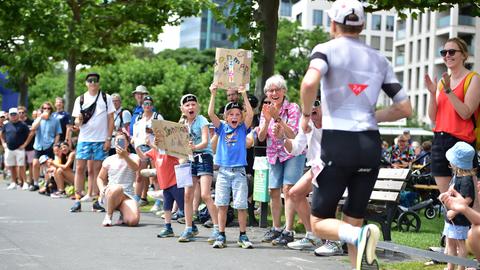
column 299, row 17
column 285, row 8
column 375, row 42
column 419, row 49
column 389, row 44
column 417, row 85
column 411, row 25
column 425, row 100
column 362, row 38
column 427, row 48
column 427, row 21
column 376, row 22
column 317, row 17
column 410, row 53
column 390, row 23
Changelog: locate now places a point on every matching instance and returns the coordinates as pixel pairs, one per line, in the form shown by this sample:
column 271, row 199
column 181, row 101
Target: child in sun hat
column 456, row 228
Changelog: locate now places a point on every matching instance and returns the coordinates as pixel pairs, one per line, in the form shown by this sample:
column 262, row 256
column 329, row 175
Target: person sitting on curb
column 115, row 182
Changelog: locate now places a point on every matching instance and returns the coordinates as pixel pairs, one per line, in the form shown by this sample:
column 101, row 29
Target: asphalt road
column 37, row 232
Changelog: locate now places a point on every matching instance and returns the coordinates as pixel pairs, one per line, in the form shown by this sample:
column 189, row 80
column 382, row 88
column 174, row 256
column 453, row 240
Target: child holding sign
column 202, row 167
column 231, row 156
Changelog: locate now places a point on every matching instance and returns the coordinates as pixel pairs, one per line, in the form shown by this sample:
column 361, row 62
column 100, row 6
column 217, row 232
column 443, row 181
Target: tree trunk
column 70, row 91
column 268, row 40
column 23, row 88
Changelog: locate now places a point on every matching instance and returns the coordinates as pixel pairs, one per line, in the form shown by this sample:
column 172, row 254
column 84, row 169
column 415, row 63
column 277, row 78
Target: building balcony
column 443, row 22
column 466, row 20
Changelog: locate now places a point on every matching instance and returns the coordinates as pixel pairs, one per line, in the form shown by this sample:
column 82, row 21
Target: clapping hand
column 431, row 85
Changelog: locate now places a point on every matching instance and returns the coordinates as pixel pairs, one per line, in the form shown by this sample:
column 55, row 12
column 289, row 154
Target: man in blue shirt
column 139, row 93
column 48, row 130
column 64, row 117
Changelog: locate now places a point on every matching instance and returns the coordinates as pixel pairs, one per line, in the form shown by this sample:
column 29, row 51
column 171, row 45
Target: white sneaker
column 155, row 208
column 107, row 221
column 148, row 172
column 86, row 198
column 366, row 246
column 25, row 186
column 12, row 186
column 156, row 194
column 330, row 248
column 304, row 243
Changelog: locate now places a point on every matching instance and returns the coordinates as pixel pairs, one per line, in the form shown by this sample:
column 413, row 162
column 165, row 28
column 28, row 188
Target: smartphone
column 121, row 143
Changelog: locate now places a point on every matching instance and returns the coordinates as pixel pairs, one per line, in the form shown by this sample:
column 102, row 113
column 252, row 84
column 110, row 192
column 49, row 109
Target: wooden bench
column 383, row 205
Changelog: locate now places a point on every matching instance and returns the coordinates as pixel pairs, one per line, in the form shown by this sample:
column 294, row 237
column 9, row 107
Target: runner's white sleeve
column 299, row 143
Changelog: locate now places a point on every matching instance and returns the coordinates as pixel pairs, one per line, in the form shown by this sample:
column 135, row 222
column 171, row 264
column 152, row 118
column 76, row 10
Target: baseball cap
column 140, row 89
column 232, row 105
column 3, row 113
column 149, row 98
column 92, row 74
column 43, row 159
column 188, row 97
column 342, row 8
column 12, row 110
column 461, row 155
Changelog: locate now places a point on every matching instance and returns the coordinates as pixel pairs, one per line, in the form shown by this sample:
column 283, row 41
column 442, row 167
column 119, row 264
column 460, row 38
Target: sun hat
column 140, row 89
column 461, row 155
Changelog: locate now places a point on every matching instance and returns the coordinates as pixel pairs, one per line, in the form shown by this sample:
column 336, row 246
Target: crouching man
column 115, row 182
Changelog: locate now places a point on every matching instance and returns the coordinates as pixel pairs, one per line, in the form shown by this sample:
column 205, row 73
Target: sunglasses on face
column 92, row 80
column 450, row 52
column 147, row 103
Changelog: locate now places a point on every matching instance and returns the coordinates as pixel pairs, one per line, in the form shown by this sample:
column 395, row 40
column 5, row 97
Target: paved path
column 37, row 232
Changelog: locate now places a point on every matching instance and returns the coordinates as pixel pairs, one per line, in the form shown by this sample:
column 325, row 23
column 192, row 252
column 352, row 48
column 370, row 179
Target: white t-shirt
column 96, row 129
column 119, row 173
column 140, row 135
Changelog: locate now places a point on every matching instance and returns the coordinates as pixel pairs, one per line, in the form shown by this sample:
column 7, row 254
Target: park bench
column 383, row 205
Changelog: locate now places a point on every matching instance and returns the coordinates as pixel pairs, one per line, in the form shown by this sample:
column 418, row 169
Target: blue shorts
column 231, row 180
column 286, row 173
column 171, row 194
column 90, row 151
column 455, row 231
column 202, row 164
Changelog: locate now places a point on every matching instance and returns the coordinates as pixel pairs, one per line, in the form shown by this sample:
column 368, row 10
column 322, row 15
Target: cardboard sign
column 232, row 68
column 172, row 137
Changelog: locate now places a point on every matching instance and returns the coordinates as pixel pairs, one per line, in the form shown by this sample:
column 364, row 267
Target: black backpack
column 155, row 116
column 121, row 117
column 87, row 113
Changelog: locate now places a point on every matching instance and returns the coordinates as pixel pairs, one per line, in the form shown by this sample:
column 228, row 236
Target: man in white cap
column 139, row 93
column 352, row 75
column 15, row 137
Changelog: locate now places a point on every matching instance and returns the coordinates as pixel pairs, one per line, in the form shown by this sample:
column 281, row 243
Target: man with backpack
column 93, row 112
column 139, row 93
column 121, row 119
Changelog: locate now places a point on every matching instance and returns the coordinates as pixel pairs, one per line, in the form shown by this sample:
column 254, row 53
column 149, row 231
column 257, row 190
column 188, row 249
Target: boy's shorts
column 202, row 164
column 172, row 194
column 231, row 180
column 91, row 151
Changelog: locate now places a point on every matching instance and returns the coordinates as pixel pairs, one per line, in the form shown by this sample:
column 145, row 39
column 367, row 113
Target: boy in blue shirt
column 231, row 156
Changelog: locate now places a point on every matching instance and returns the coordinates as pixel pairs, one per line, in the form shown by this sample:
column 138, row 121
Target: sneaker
column 195, row 230
column 142, row 202
column 305, row 243
column 186, row 236
column 86, row 198
column 284, row 238
column 157, row 194
column 12, row 186
column 96, row 207
column 58, row 195
column 213, row 237
column 34, row 188
column 148, row 172
column 155, row 208
column 25, row 186
column 330, row 248
column 244, row 242
column 166, row 233
column 107, row 221
column 77, row 207
column 208, row 224
column 366, row 245
column 220, row 242
column 271, row 235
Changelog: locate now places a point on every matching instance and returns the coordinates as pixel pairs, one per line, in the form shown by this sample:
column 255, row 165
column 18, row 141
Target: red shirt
column 165, row 166
column 449, row 121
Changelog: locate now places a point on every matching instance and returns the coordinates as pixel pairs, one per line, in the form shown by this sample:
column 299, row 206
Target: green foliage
column 168, row 75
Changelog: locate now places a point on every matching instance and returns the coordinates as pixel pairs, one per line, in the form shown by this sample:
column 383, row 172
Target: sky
column 169, row 39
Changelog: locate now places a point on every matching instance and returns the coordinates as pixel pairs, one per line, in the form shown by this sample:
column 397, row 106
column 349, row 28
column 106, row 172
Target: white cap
column 43, row 159
column 3, row 113
column 342, row 8
column 12, row 110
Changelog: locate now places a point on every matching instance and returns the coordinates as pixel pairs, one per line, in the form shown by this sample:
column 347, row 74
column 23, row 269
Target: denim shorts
column 202, row 164
column 287, row 172
column 90, row 151
column 455, row 231
column 231, row 180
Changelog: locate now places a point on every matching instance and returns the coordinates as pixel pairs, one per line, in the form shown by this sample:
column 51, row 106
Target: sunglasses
column 147, row 103
column 450, row 52
column 92, row 80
